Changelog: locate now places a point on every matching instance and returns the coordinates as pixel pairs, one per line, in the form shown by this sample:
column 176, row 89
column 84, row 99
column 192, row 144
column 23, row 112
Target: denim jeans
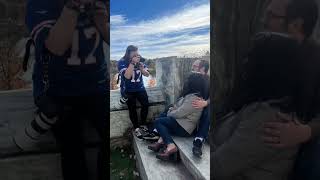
column 168, row 126
column 204, row 123
column 307, row 166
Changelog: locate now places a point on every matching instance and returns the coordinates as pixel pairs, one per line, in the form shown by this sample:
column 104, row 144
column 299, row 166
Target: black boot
column 197, row 148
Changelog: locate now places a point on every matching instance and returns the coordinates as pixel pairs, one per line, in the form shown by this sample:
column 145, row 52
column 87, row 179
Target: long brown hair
column 130, row 48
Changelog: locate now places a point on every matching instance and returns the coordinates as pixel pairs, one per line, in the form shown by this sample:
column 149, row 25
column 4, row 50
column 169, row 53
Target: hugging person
column 181, row 119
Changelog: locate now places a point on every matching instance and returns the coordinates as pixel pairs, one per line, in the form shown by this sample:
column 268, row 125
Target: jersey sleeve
column 40, row 18
column 122, row 67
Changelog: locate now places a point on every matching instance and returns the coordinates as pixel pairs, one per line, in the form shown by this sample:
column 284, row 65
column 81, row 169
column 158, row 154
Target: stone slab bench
column 198, row 167
column 151, row 168
column 190, row 167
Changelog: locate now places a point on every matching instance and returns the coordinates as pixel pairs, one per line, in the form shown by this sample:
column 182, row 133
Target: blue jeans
column 204, row 123
column 307, row 166
column 168, row 126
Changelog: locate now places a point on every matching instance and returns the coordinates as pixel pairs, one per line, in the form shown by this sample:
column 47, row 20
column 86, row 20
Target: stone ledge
column 155, row 97
column 150, row 168
column 120, row 121
column 42, row 166
column 198, row 167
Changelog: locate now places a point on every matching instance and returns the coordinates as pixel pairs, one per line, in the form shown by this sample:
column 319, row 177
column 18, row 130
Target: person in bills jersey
column 71, row 33
column 132, row 71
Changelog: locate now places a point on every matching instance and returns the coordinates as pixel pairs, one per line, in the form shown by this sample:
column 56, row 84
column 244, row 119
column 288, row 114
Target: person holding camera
column 132, row 69
column 69, row 79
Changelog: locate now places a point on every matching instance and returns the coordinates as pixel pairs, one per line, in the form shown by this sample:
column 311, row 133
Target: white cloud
column 118, row 19
column 183, row 33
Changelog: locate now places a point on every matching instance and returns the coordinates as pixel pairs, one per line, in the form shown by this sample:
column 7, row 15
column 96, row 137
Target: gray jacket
column 185, row 114
column 239, row 152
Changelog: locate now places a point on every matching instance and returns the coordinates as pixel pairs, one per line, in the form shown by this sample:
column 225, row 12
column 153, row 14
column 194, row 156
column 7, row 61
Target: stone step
column 150, row 168
column 198, row 167
column 40, row 167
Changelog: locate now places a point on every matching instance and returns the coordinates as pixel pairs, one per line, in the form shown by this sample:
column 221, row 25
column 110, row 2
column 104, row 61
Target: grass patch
column 122, row 164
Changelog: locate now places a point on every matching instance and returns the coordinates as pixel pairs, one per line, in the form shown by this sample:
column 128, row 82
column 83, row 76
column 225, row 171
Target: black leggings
column 70, row 136
column 142, row 97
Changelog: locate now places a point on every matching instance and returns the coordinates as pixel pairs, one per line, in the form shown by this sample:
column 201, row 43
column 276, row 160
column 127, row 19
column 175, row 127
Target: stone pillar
column 168, row 78
column 171, row 74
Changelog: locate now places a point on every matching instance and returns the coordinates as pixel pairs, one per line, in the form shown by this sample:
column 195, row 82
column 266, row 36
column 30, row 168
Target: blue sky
column 160, row 28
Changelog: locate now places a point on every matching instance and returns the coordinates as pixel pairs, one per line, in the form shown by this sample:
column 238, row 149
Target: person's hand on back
column 286, row 132
column 199, row 103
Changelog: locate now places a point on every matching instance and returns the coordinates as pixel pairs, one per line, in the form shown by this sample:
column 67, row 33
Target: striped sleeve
column 122, row 67
column 40, row 18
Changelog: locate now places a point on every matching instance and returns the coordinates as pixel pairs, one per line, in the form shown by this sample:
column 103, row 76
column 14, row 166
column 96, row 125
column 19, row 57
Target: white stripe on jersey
column 37, row 33
column 123, row 69
column 36, row 28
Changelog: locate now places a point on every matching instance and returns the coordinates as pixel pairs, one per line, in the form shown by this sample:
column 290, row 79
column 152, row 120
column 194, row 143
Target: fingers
column 288, row 118
column 284, row 117
column 273, row 125
column 270, row 140
column 272, row 132
column 195, row 105
column 275, row 145
column 273, row 142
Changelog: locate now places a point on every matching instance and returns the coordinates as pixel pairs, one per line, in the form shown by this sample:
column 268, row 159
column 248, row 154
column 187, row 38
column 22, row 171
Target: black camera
column 142, row 60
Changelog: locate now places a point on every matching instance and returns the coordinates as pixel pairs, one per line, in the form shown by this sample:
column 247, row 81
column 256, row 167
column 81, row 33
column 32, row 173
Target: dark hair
column 196, row 83
column 205, row 64
column 130, row 48
column 305, row 9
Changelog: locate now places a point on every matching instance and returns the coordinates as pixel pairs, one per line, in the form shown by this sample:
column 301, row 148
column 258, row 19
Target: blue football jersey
column 82, row 70
column 135, row 84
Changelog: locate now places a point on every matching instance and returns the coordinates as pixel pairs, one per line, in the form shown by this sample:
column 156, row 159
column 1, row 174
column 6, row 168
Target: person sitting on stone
column 201, row 133
column 180, row 120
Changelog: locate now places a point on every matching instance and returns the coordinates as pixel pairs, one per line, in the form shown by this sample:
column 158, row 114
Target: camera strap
column 45, row 59
column 26, row 56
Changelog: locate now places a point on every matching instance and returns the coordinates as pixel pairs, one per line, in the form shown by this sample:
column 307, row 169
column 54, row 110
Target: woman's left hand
column 199, row 103
column 141, row 67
